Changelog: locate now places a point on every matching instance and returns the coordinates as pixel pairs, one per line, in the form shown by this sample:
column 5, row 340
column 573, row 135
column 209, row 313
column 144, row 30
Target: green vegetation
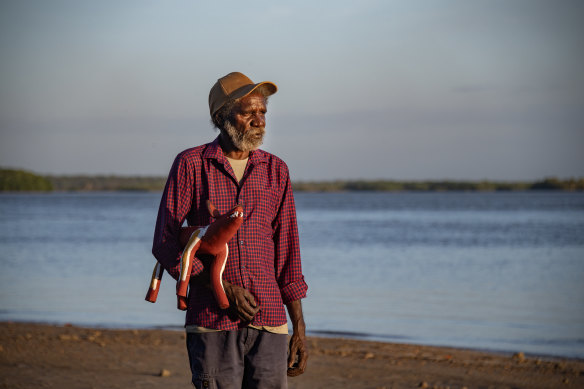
column 23, row 181
column 18, row 180
column 438, row 186
column 107, row 183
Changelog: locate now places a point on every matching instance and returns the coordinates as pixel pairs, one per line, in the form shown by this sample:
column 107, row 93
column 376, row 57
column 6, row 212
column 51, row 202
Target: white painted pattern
column 223, row 267
column 185, row 258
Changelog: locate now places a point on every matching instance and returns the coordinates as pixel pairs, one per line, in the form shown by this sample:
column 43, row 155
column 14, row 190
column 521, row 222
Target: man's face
column 245, row 127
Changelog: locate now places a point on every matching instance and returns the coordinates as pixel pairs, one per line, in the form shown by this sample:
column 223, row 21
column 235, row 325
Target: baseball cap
column 234, row 86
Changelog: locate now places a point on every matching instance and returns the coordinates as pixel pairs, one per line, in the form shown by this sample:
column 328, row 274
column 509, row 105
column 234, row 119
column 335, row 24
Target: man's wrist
column 296, row 316
column 298, row 323
column 228, row 288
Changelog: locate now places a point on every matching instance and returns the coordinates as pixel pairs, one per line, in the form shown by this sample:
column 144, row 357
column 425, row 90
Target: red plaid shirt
column 264, row 256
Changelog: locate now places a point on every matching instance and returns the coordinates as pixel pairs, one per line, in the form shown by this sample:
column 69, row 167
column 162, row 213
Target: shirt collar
column 214, row 151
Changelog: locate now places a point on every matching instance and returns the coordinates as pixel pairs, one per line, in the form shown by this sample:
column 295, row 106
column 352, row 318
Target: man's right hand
column 241, row 301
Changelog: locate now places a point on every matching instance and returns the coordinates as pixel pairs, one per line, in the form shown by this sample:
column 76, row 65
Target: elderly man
column 245, row 345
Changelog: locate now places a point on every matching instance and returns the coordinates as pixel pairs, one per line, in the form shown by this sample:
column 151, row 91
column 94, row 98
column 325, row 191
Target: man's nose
column 258, row 120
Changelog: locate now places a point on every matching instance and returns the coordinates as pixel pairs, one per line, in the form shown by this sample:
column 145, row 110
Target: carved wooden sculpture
column 211, row 240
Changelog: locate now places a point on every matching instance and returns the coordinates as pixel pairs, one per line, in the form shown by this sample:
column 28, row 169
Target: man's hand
column 241, row 301
column 298, row 356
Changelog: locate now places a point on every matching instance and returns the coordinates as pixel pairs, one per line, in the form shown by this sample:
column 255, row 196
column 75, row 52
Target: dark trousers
column 247, row 358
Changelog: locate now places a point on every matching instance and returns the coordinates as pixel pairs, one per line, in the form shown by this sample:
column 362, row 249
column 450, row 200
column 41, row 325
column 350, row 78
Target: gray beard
column 246, row 141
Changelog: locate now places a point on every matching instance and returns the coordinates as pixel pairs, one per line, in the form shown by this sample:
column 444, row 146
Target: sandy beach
column 45, row 356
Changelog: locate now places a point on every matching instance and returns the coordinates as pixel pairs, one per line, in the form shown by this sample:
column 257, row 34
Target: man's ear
column 212, row 210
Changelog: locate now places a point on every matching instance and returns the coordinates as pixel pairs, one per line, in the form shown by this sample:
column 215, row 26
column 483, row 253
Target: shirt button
column 241, row 242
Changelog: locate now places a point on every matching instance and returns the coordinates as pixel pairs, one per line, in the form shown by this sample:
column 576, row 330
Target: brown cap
column 234, row 86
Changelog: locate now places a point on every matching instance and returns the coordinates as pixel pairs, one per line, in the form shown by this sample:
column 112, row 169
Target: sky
column 403, row 90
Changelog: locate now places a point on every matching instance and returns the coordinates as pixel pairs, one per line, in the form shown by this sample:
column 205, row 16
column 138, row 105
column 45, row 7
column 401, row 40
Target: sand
column 44, row 356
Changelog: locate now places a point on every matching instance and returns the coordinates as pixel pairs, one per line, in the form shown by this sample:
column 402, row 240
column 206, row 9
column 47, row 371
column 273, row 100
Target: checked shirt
column 264, row 255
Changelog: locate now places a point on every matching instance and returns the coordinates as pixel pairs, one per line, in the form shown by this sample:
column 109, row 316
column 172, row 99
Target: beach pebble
column 369, row 356
column 560, row 366
column 519, row 357
column 164, row 373
column 65, row 337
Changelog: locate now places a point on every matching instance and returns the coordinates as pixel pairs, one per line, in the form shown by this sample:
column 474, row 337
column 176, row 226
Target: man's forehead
column 253, row 100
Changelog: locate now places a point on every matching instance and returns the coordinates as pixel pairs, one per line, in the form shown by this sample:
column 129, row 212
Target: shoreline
column 325, row 334
column 41, row 355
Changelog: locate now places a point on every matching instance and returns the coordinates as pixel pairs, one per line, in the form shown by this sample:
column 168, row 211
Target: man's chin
column 252, row 146
column 248, row 142
column 253, row 141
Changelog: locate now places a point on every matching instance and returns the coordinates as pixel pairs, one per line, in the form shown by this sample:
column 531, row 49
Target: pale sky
column 405, row 90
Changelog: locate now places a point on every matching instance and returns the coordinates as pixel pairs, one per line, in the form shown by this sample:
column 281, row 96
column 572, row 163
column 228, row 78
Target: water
column 497, row 271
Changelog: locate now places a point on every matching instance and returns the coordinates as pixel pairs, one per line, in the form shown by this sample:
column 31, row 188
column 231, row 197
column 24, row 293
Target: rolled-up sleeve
column 174, row 206
column 287, row 248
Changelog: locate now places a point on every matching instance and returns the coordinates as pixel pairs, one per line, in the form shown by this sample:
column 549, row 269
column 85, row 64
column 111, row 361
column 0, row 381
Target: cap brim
column 247, row 89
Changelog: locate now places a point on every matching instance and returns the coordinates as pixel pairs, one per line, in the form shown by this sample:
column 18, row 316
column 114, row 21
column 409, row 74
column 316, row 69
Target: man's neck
column 229, row 150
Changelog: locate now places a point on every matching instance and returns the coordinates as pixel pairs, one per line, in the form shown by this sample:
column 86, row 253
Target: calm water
column 499, row 271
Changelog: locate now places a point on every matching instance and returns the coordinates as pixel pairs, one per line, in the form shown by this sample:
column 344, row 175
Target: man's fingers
column 292, row 355
column 245, row 312
column 297, row 360
column 293, row 372
column 250, row 309
column 291, row 359
column 246, row 306
column 297, row 369
column 302, row 361
column 247, row 315
column 251, row 299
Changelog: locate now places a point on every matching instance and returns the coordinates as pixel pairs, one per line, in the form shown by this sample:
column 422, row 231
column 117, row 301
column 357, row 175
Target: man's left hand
column 298, row 356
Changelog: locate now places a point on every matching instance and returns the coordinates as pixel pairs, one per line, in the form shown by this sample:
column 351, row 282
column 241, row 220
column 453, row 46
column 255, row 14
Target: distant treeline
column 19, row 180
column 107, row 183
column 438, row 186
column 12, row 180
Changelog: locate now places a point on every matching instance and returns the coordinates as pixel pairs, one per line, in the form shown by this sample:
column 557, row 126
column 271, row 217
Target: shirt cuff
column 294, row 291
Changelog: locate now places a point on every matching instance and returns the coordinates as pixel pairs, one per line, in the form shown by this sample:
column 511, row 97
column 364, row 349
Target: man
column 244, row 345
